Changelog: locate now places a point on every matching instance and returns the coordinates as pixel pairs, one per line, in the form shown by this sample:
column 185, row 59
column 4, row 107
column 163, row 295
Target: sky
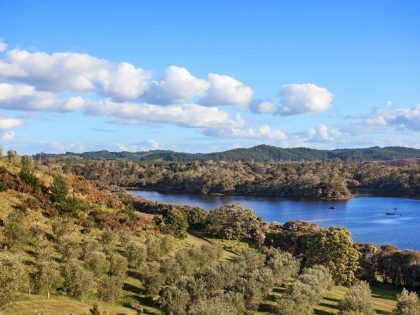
column 210, row 75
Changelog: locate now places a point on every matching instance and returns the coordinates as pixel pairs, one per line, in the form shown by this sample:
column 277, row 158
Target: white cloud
column 8, row 136
column 186, row 115
column 323, row 133
column 126, row 82
column 177, row 86
column 26, row 97
column 146, row 145
column 226, row 90
column 304, row 99
column 263, row 133
column 3, row 45
column 73, row 72
column 9, row 123
column 403, row 118
column 263, row 107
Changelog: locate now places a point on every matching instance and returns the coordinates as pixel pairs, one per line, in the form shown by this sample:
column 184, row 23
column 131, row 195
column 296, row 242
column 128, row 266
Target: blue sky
column 202, row 76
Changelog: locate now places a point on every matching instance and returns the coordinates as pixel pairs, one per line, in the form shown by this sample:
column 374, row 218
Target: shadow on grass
column 134, row 274
column 133, row 289
column 335, row 307
column 144, row 301
column 385, row 291
column 322, row 312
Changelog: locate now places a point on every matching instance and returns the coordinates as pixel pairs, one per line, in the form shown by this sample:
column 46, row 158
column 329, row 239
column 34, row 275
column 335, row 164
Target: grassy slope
column 384, row 296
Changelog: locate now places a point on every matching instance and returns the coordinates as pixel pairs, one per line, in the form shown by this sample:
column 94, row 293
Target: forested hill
column 259, row 153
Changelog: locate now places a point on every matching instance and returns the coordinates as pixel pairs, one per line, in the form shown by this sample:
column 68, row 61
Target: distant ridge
column 260, row 153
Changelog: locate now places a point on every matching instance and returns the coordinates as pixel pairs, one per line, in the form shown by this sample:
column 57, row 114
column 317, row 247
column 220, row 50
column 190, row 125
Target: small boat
column 389, row 213
column 332, row 207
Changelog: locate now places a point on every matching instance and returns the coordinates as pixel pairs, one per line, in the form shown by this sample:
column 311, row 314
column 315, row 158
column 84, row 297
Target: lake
column 363, row 215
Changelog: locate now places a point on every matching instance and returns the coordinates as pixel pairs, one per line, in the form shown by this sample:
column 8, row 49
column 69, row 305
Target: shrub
column 408, row 303
column 58, row 191
column 135, row 253
column 110, row 288
column 12, row 278
column 174, row 222
column 231, row 222
column 77, row 280
column 357, row 300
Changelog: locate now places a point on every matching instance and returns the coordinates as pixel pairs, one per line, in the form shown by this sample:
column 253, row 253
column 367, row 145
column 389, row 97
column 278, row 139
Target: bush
column 135, row 253
column 12, row 278
column 110, row 288
column 232, row 222
column 357, row 300
column 408, row 303
column 77, row 280
column 174, row 222
column 58, row 190
column 70, row 205
column 306, row 292
column 15, row 230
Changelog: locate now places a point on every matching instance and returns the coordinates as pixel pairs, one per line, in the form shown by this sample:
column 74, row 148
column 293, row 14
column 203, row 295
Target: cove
column 363, row 215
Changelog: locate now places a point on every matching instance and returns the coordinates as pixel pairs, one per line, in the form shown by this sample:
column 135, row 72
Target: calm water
column 363, row 215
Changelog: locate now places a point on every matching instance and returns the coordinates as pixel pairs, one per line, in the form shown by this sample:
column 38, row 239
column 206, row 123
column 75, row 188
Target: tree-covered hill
column 260, row 153
column 66, row 246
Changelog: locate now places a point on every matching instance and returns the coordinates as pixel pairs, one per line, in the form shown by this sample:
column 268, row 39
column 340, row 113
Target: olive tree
column 408, row 303
column 13, row 278
column 77, row 280
column 47, row 277
column 357, row 300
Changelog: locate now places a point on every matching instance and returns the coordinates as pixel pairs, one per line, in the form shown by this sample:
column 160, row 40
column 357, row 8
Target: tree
column 27, row 174
column 13, row 278
column 357, row 300
column 408, row 303
column 58, row 189
column 334, row 249
column 110, row 288
column 135, row 253
column 174, row 222
column 231, row 222
column 47, row 277
column 306, row 292
column 174, row 300
column 118, row 265
column 77, row 280
column 13, row 157
column 97, row 263
column 15, row 231
column 283, row 265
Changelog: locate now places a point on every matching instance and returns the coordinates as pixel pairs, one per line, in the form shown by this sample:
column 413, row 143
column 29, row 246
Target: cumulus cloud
column 304, row 99
column 146, row 145
column 402, row 118
column 185, row 115
column 177, row 86
column 3, row 45
column 264, row 132
column 263, row 107
column 8, row 136
column 73, row 72
column 323, row 133
column 9, row 123
column 226, row 90
column 26, row 97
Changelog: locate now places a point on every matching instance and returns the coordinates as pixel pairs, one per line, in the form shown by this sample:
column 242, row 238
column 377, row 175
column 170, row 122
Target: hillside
column 259, row 153
column 67, row 246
